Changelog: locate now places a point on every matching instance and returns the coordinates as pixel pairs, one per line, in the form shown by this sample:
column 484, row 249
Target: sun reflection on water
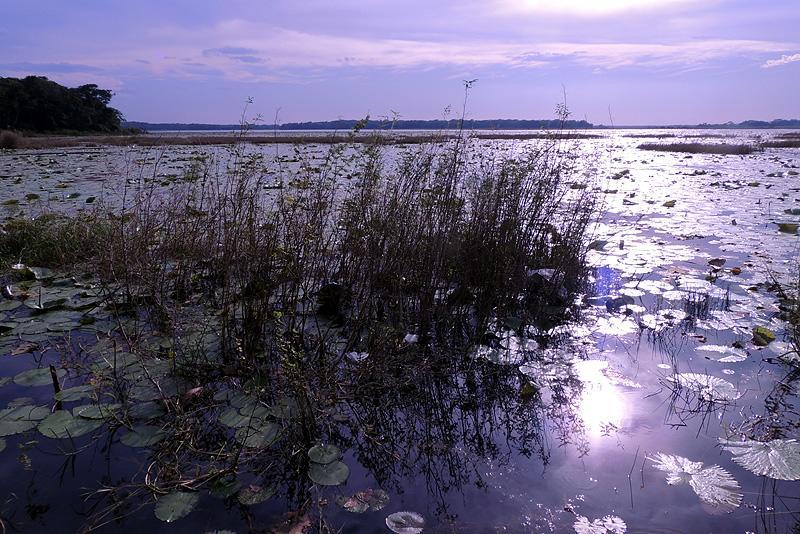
column 602, row 407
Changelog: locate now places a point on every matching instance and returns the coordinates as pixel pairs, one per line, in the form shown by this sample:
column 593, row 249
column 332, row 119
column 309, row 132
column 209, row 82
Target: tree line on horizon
column 37, row 104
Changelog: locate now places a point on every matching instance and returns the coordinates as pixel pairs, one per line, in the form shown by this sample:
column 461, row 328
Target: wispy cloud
column 592, row 8
column 783, row 60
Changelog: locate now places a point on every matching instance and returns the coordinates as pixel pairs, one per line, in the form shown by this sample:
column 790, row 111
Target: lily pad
column 176, row 505
column 787, row 228
column 714, row 485
column 763, row 336
column 331, row 474
column 362, row 501
column 21, row 419
column 324, row 454
column 609, row 524
column 73, row 393
column 2, row 444
column 37, row 377
column 257, row 437
column 405, row 522
column 709, row 388
column 143, row 436
column 96, row 411
column 778, row 458
column 62, row 424
column 254, row 494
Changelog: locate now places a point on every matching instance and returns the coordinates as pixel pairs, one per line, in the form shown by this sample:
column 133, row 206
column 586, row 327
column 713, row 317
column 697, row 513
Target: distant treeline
column 36, row 104
column 493, row 124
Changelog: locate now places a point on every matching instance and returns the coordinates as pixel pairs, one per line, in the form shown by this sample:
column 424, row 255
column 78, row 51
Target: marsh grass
column 9, row 140
column 700, row 148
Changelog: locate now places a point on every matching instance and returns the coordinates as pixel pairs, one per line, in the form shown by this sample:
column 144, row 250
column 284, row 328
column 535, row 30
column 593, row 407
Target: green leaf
column 778, row 458
column 787, row 228
column 143, row 436
column 37, row 377
column 224, row 488
column 176, row 505
column 147, row 410
column 324, row 454
column 2, row 444
column 21, row 419
column 62, row 424
column 713, row 485
column 331, row 474
column 369, row 499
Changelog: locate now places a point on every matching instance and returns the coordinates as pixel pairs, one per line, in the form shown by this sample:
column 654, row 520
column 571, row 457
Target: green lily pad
column 331, row 474
column 254, row 494
column 224, row 488
column 73, row 393
column 257, row 437
column 324, row 454
column 21, row 419
column 176, row 505
column 362, row 501
column 146, row 410
column 62, row 424
column 143, row 436
column 763, row 336
column 405, row 522
column 788, row 228
column 37, row 377
column 96, row 411
column 669, row 204
column 9, row 305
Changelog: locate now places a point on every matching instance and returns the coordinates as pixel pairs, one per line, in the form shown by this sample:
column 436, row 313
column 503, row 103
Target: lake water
column 684, row 258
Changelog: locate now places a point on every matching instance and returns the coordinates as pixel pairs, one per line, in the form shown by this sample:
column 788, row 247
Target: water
column 468, row 449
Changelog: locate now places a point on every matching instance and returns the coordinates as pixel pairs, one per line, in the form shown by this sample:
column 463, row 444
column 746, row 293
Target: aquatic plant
column 713, row 485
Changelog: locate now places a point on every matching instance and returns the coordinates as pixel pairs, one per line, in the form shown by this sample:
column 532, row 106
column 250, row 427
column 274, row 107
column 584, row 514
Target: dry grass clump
column 700, row 148
column 360, row 248
column 789, row 142
column 9, row 140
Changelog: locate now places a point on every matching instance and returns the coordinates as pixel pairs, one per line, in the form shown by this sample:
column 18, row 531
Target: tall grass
column 434, row 242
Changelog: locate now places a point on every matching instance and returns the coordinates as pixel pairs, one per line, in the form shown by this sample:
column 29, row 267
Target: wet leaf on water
column 37, row 377
column 609, row 524
column 143, row 436
column 331, row 474
column 714, row 485
column 223, row 488
column 405, row 522
column 176, row 505
column 730, row 354
column 669, row 204
column 41, row 273
column 362, row 501
column 787, row 228
column 26, row 347
column 254, row 494
column 62, row 424
column 2, row 444
column 709, row 388
column 324, row 454
column 146, row 410
column 778, row 458
column 9, row 305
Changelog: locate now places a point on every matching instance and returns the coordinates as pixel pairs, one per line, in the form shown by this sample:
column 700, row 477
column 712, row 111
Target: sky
column 624, row 62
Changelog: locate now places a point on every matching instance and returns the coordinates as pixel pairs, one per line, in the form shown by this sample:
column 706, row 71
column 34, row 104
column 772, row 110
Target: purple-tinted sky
column 636, row 61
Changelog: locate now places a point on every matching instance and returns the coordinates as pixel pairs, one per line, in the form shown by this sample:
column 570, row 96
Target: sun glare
column 592, row 7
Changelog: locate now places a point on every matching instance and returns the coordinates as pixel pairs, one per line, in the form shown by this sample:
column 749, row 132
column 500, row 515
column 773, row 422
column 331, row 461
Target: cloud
column 783, row 60
column 60, row 68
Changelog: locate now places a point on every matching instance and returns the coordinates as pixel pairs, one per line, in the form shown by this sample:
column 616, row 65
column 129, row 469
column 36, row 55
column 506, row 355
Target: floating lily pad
column 331, row 474
column 257, row 437
column 362, row 501
column 224, row 487
column 254, row 494
column 146, row 410
column 763, row 336
column 778, row 458
column 143, row 436
column 2, row 444
column 324, row 454
column 37, row 377
column 96, row 411
column 21, row 419
column 405, row 522
column 62, row 424
column 73, row 393
column 176, row 505
column 9, row 305
column 609, row 524
column 709, row 388
column 787, row 228
column 713, row 485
